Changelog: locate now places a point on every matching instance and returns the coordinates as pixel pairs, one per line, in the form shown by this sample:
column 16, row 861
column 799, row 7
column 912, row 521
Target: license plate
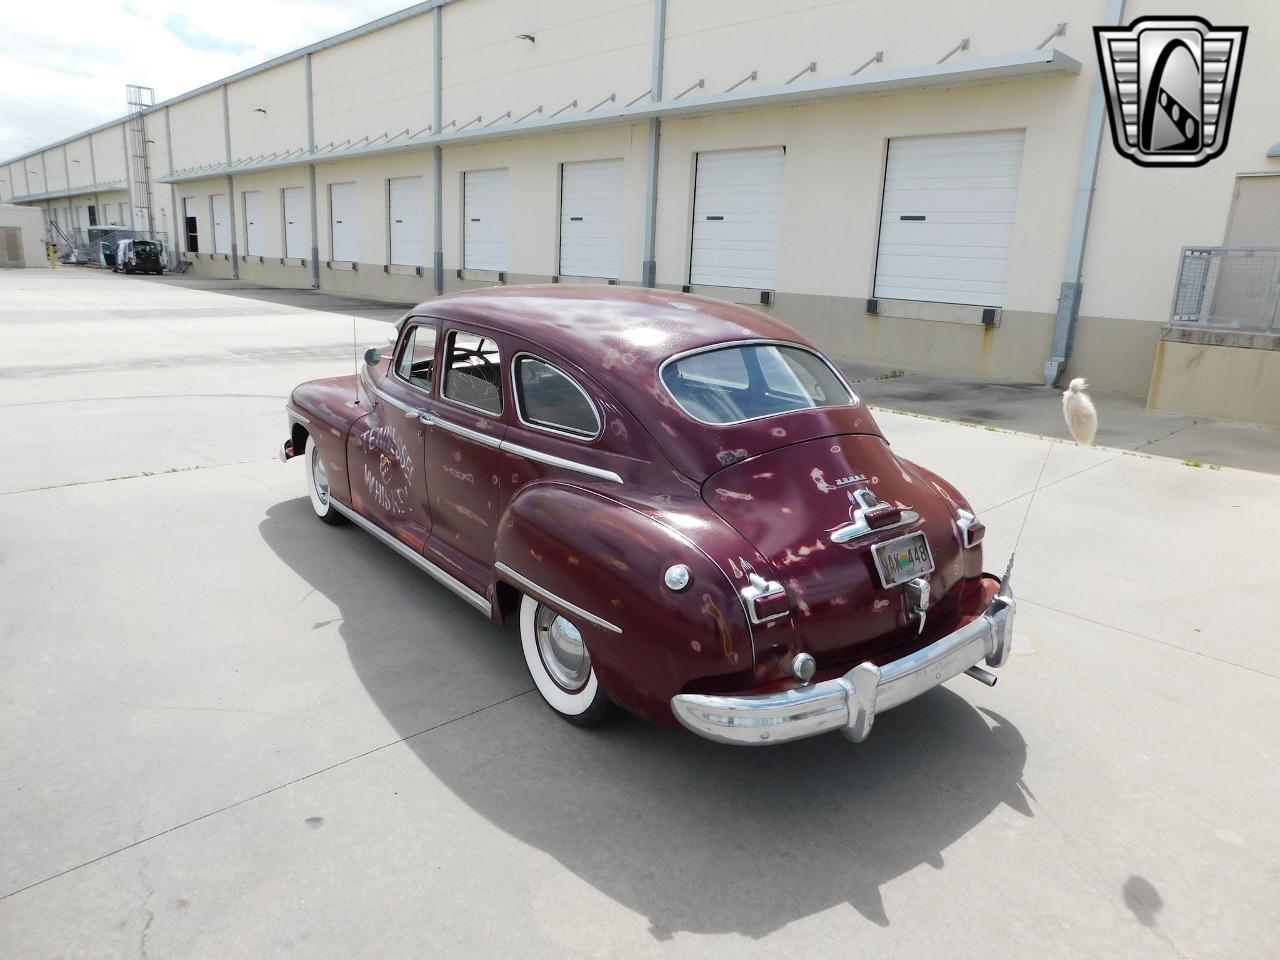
column 903, row 559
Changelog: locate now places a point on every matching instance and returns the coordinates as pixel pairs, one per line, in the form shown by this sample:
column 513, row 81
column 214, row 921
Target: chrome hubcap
column 320, row 477
column 562, row 650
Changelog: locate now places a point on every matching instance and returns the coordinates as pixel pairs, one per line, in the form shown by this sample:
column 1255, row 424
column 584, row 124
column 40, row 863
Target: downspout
column 75, row 211
column 437, row 258
column 93, row 177
column 231, row 187
column 1064, row 329
column 311, row 175
column 649, row 268
column 173, row 197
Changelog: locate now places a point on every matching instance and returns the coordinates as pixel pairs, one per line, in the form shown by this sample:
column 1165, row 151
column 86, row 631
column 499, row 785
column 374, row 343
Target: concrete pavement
column 228, row 730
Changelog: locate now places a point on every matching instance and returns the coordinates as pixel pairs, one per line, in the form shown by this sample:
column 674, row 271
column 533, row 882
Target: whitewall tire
column 560, row 665
column 318, row 486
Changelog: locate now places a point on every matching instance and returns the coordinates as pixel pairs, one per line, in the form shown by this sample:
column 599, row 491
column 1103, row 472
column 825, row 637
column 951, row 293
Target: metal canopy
column 1010, row 66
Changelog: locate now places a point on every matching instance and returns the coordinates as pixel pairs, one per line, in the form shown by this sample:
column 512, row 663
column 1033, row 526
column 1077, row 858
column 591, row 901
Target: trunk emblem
column 870, row 516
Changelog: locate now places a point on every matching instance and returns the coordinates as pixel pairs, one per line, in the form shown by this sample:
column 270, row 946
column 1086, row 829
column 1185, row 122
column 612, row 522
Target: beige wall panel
column 834, row 175
column 375, row 84
column 282, row 93
column 724, row 40
column 158, row 148
column 1232, row 383
column 81, row 172
column 534, row 191
column 108, row 155
column 198, row 132
column 1143, row 217
column 584, row 50
column 370, row 177
column 57, row 167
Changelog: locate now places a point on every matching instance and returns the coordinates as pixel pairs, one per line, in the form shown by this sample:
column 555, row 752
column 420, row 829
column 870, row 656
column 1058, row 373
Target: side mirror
column 372, row 357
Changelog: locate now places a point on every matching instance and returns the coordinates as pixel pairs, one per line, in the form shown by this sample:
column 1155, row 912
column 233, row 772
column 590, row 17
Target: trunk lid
column 790, row 501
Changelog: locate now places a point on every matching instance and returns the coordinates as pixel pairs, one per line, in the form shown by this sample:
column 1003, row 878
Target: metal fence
column 1232, row 287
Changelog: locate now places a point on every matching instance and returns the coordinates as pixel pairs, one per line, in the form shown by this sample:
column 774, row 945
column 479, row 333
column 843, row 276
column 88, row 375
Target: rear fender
column 608, row 559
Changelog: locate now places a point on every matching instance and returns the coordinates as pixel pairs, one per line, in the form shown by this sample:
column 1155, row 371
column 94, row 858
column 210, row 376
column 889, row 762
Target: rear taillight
column 765, row 599
column 971, row 529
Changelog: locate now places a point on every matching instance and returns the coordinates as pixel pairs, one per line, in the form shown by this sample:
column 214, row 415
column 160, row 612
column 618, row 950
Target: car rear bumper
column 850, row 703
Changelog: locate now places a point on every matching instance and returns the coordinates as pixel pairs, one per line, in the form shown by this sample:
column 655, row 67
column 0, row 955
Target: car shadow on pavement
column 696, row 836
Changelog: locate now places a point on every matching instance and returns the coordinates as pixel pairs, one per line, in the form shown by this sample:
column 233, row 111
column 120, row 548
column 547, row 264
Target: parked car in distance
column 138, row 256
column 682, row 503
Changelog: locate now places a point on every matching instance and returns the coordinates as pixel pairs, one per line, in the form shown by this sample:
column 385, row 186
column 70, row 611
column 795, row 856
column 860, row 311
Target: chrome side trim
column 434, row 420
column 555, row 461
column 555, row 600
column 417, row 559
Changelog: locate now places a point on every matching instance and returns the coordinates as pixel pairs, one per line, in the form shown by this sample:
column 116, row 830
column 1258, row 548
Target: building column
column 173, row 196
column 128, row 170
column 311, row 176
column 231, row 187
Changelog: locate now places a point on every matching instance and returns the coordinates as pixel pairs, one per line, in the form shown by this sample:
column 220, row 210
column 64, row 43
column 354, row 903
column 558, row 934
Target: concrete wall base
column 1217, row 379
column 1115, row 355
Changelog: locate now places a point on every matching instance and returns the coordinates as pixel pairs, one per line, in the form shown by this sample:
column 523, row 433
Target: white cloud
column 66, row 64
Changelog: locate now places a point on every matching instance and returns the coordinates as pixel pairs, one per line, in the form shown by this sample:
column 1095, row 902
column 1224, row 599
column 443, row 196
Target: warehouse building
column 932, row 190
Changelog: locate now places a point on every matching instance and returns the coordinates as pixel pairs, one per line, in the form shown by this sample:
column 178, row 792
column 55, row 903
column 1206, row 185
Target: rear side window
column 418, row 357
column 549, row 398
column 734, row 384
column 473, row 372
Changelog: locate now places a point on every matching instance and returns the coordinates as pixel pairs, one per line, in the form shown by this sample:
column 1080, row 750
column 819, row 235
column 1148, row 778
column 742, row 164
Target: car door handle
column 412, row 414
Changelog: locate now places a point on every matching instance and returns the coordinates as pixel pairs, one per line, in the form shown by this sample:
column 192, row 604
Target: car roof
column 600, row 326
column 621, row 336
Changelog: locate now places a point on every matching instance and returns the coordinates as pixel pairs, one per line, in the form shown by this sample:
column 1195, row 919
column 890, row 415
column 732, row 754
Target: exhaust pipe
column 984, row 676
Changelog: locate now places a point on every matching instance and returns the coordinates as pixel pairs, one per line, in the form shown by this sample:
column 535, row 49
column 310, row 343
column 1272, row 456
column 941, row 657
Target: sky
column 65, row 63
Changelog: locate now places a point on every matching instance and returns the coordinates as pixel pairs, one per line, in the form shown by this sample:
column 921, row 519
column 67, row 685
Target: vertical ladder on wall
column 141, row 99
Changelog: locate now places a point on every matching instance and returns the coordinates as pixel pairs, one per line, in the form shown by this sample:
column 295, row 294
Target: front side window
column 473, row 374
column 550, row 399
column 733, row 384
column 418, row 357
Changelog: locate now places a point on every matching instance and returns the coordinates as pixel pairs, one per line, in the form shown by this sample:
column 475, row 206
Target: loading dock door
column 737, row 218
column 407, row 217
column 189, row 229
column 221, row 224
column 344, row 228
column 485, row 218
column 591, row 219
column 254, row 229
column 295, row 224
column 946, row 223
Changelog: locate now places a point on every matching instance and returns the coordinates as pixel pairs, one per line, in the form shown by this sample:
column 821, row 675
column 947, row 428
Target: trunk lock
column 916, row 593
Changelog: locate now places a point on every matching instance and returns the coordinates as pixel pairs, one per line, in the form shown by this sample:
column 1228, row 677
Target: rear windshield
column 144, row 246
column 733, row 384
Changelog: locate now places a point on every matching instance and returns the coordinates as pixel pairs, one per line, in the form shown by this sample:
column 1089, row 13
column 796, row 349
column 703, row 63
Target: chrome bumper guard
column 850, row 702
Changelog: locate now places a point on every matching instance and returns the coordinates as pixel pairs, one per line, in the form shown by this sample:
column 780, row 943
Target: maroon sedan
column 681, row 501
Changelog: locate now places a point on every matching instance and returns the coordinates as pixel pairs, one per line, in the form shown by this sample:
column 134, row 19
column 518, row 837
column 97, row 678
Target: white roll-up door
column 295, row 224
column 255, row 233
column 946, row 223
column 591, row 219
column 407, row 221
column 485, row 218
column 221, row 224
column 737, row 218
column 344, row 227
